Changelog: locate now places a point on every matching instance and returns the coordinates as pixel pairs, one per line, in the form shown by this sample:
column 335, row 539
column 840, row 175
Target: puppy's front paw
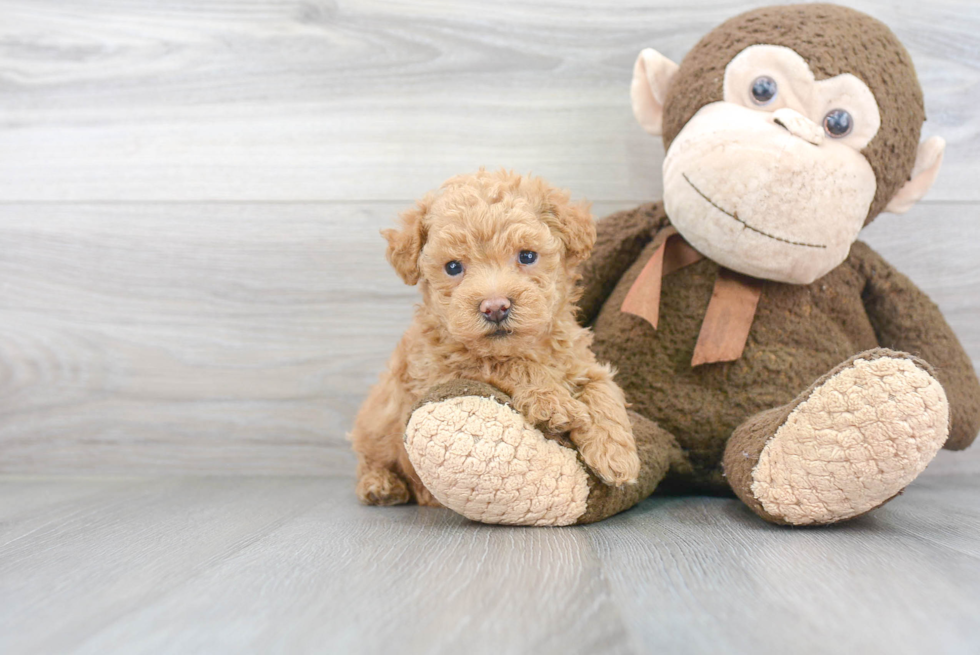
column 424, row 497
column 379, row 486
column 615, row 461
column 544, row 407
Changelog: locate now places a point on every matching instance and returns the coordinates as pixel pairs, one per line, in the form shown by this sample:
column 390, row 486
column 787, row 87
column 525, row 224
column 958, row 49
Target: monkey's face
column 787, row 128
column 771, row 181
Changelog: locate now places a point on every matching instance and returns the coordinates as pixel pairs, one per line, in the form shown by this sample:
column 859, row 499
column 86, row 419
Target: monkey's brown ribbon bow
column 728, row 319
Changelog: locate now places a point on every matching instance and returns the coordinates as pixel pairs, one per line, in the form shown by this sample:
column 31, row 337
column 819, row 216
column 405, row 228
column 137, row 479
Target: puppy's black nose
column 495, row 310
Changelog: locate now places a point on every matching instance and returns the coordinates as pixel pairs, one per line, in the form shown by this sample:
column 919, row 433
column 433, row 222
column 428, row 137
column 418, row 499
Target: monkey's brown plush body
column 799, row 334
column 777, row 356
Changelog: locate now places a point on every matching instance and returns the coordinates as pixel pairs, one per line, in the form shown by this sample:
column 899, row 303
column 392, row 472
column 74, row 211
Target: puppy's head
column 495, row 255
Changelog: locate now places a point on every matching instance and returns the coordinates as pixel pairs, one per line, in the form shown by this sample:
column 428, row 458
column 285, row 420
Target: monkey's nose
column 495, row 310
column 798, row 125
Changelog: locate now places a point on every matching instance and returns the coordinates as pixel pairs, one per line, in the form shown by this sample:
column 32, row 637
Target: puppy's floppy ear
column 405, row 245
column 573, row 223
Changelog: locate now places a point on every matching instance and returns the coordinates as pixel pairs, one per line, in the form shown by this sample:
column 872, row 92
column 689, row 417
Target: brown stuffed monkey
column 763, row 349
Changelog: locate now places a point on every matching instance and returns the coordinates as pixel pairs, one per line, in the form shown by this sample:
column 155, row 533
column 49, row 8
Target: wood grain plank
column 202, row 565
column 298, row 100
column 346, row 579
column 941, row 508
column 691, row 574
column 77, row 567
column 201, row 334
column 22, row 500
column 242, row 338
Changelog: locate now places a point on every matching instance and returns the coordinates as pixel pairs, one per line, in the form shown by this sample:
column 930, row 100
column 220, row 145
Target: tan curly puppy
column 494, row 255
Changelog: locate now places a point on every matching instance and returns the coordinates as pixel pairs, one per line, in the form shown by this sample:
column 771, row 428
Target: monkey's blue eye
column 527, row 257
column 454, row 267
column 763, row 90
column 838, row 123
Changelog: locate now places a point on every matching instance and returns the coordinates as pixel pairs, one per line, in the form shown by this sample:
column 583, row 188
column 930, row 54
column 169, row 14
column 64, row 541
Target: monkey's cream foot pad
column 479, row 458
column 856, row 441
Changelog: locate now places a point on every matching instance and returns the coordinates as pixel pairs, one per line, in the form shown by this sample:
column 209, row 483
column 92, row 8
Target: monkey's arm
column 905, row 319
column 619, row 239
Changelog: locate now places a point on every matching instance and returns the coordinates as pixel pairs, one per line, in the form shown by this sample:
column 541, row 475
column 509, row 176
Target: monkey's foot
column 847, row 445
column 478, row 457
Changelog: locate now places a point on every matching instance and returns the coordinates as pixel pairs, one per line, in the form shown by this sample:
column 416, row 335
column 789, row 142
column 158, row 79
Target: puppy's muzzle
column 495, row 310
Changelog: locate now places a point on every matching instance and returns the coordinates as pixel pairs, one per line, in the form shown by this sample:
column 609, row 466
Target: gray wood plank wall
column 191, row 278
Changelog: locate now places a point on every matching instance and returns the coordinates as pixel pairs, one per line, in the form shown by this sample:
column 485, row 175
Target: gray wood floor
column 295, row 565
column 194, row 300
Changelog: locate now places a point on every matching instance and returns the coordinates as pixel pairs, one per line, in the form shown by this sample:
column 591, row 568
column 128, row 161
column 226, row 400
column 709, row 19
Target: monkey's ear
column 651, row 78
column 405, row 245
column 927, row 162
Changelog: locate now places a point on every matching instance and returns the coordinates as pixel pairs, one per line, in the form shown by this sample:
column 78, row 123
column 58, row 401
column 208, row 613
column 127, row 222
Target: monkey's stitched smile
column 754, row 229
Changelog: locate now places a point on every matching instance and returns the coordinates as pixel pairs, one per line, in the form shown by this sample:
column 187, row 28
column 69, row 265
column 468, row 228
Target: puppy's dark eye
column 454, row 267
column 527, row 257
column 838, row 123
column 763, row 90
